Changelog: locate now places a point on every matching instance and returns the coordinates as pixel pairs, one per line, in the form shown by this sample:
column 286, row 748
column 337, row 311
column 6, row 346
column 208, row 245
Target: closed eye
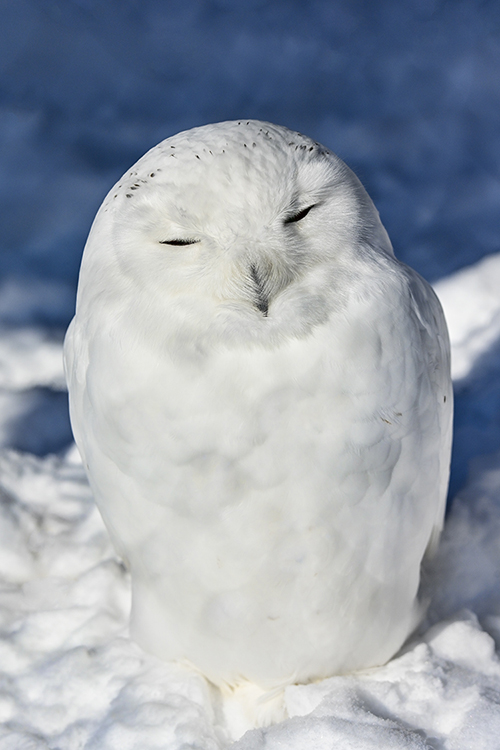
column 299, row 215
column 178, row 243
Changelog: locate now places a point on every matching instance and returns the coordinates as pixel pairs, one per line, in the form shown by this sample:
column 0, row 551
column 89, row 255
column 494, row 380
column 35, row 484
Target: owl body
column 260, row 392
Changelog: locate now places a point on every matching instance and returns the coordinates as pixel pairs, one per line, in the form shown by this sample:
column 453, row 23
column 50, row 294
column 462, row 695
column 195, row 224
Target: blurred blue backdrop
column 407, row 92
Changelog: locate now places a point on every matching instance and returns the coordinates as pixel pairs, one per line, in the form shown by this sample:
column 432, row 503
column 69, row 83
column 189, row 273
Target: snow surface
column 71, row 678
column 408, row 94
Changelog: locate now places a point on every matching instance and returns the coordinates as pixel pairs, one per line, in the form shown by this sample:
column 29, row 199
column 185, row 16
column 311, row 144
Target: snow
column 473, row 317
column 408, row 94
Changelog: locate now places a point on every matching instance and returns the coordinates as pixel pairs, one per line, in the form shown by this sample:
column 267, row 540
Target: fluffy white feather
column 261, row 396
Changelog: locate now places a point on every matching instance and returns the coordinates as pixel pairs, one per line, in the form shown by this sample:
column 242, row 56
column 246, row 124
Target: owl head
column 241, row 227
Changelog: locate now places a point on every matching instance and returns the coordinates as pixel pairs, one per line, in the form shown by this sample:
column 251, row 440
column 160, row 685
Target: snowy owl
column 261, row 396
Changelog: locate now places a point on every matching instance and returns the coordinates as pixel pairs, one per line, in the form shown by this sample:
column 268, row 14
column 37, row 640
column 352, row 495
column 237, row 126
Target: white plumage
column 261, row 395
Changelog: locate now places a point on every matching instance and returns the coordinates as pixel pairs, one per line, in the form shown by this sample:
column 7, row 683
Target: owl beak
column 260, row 297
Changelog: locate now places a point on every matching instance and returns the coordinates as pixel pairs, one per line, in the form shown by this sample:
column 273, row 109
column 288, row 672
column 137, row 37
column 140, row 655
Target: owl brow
column 178, row 243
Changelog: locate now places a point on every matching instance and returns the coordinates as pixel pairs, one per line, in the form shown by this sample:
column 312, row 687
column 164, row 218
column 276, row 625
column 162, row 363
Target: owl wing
column 436, row 345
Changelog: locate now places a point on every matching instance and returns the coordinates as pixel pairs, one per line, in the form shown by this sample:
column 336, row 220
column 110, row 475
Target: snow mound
column 29, row 358
column 474, row 317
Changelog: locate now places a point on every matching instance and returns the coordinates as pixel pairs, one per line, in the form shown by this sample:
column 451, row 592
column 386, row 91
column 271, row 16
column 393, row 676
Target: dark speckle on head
column 152, row 174
column 129, row 195
column 197, row 156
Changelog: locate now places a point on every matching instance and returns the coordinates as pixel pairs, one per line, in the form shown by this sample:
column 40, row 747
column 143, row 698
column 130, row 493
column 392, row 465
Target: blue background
column 406, row 92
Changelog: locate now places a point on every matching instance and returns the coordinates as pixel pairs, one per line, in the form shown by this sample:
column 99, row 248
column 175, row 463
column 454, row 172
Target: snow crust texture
column 72, row 679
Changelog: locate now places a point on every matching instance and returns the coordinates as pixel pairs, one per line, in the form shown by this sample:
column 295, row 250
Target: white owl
column 261, row 395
